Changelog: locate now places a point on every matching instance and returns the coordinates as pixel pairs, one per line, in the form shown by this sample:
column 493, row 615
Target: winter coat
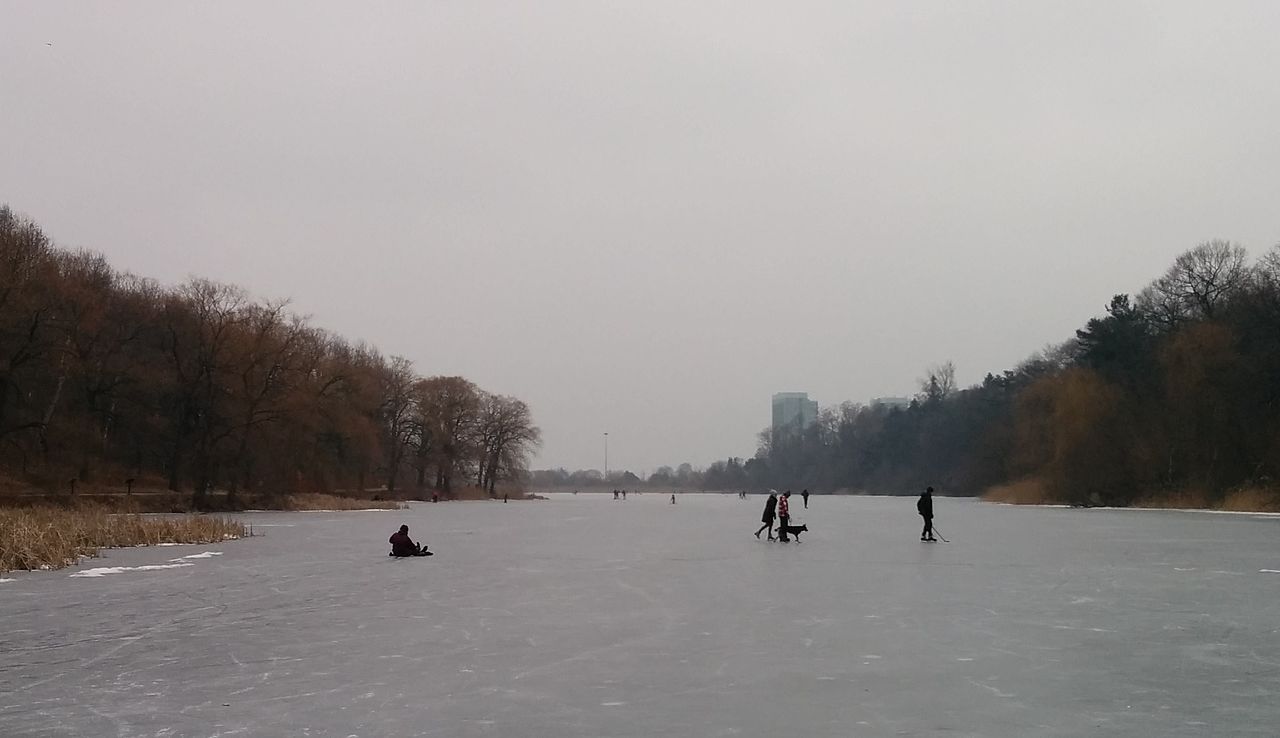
column 402, row 544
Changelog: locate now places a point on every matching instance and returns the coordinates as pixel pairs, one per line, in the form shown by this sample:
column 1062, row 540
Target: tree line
column 683, row 476
column 1171, row 391
column 105, row 376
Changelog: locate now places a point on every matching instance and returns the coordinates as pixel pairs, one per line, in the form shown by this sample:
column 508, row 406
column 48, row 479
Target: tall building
column 901, row 403
column 793, row 412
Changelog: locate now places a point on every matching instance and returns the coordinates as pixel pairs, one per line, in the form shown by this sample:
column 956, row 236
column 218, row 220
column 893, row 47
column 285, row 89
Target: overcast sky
column 646, row 218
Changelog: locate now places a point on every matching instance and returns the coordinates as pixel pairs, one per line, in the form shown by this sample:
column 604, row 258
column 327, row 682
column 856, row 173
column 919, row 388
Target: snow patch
column 201, row 555
column 102, row 571
column 14, row 580
column 1260, row 571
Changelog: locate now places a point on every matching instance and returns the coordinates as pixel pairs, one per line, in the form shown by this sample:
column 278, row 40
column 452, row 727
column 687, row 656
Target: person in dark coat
column 403, row 545
column 805, row 495
column 924, row 506
column 770, row 505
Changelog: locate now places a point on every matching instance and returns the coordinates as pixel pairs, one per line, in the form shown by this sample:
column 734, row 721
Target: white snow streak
column 1260, row 571
column 201, row 555
column 105, row 570
column 177, row 563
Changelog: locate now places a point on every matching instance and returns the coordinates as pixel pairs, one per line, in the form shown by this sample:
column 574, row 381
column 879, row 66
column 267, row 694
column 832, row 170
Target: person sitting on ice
column 403, row 545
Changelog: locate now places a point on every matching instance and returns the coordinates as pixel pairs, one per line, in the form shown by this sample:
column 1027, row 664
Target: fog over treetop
column 646, row 220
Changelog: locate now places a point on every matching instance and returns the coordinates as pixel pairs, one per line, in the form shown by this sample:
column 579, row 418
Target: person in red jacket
column 784, row 515
column 403, row 545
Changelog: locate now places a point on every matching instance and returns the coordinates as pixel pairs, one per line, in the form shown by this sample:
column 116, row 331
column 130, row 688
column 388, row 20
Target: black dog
column 793, row 530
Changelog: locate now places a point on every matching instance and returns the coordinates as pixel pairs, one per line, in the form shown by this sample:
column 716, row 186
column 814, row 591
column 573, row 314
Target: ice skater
column 673, row 499
column 770, row 505
column 805, row 495
column 924, row 506
column 784, row 515
column 403, row 545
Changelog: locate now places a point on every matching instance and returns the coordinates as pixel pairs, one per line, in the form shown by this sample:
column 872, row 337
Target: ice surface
column 582, row 616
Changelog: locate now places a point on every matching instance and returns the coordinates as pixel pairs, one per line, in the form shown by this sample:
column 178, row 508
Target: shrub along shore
column 53, row 537
column 1244, row 499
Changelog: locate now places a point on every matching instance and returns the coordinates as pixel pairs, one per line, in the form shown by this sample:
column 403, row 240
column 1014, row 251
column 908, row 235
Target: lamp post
column 606, row 457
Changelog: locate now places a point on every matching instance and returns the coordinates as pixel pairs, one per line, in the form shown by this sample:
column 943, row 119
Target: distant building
column 901, row 403
column 793, row 412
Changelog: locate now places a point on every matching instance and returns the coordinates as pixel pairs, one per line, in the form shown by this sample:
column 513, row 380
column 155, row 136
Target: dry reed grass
column 1031, row 491
column 52, row 537
column 1183, row 499
column 1252, row 499
column 316, row 501
column 1245, row 499
column 1028, row 491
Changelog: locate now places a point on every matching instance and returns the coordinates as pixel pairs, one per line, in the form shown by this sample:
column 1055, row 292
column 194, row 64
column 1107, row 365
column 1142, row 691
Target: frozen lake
column 581, row 616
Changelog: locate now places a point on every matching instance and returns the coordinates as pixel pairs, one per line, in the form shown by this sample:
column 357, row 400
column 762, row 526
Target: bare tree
column 199, row 321
column 399, row 403
column 1198, row 284
column 265, row 366
column 1267, row 270
column 939, row 383
column 28, row 333
column 507, row 436
column 450, row 412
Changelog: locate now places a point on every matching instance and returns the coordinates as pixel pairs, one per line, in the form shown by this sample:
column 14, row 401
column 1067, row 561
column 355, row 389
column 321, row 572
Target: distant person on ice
column 673, row 499
column 805, row 495
column 770, row 505
column 924, row 506
column 403, row 545
column 784, row 515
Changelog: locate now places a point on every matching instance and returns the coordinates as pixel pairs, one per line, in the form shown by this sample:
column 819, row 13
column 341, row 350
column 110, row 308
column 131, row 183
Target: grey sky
column 646, row 218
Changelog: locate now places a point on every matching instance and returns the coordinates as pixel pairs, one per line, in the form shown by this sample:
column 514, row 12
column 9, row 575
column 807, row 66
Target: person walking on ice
column 924, row 506
column 770, row 505
column 673, row 499
column 784, row 515
column 805, row 495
